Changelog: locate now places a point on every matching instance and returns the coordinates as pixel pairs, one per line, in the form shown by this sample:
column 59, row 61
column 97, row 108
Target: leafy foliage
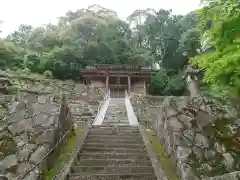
column 223, row 64
column 97, row 36
column 164, row 83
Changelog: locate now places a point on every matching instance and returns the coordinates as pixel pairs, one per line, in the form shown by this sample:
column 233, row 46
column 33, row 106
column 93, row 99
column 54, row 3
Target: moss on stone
column 164, row 159
column 7, row 147
column 65, row 153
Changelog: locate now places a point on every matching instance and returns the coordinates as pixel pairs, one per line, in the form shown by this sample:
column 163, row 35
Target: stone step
column 113, row 145
column 112, row 169
column 114, row 129
column 114, row 141
column 118, row 110
column 97, row 155
column 117, row 106
column 110, row 127
column 116, row 122
column 115, row 115
column 115, row 133
column 117, row 101
column 120, row 116
column 114, row 137
column 111, row 150
column 124, row 176
column 115, row 119
column 113, row 162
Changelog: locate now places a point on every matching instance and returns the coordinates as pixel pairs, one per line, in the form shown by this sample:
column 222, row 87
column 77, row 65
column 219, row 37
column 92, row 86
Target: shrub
column 48, row 74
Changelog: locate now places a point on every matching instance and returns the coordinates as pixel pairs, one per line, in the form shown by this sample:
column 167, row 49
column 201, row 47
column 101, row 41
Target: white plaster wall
column 97, row 83
column 138, row 87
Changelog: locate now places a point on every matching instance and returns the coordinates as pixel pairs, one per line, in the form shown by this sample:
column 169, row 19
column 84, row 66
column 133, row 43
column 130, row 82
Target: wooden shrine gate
column 117, row 92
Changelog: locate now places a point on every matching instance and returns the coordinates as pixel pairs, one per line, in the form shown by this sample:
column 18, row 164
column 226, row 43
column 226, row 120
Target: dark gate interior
column 118, row 86
column 118, row 92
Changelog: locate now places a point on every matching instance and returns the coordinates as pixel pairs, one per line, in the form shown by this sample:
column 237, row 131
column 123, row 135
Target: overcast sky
column 36, row 12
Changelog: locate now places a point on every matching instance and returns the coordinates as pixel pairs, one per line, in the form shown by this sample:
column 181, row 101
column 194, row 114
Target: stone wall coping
column 158, row 170
column 67, row 167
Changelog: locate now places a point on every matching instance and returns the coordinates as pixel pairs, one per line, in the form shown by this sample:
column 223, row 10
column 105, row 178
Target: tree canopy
column 219, row 23
column 208, row 36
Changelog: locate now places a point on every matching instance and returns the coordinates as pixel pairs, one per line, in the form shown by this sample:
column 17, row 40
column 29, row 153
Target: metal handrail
column 45, row 156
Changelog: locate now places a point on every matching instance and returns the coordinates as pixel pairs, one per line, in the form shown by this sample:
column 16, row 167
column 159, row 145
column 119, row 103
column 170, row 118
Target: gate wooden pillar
column 129, row 85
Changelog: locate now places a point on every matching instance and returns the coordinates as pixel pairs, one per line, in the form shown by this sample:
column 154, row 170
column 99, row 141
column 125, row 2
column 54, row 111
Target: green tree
column 96, row 35
column 221, row 65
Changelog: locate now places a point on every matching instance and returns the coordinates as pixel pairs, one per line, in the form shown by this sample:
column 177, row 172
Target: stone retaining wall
column 84, row 104
column 32, row 125
column 146, row 107
column 202, row 138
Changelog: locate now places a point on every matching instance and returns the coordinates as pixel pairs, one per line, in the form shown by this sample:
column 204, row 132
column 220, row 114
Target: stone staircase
column 113, row 150
column 116, row 113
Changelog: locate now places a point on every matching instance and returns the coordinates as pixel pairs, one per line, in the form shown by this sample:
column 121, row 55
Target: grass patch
column 164, row 159
column 65, row 151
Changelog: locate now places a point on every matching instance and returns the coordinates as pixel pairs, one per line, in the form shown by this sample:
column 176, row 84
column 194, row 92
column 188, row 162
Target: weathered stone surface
column 46, row 137
column 220, row 147
column 186, row 172
column 209, row 154
column 41, row 120
column 23, row 167
column 33, row 125
column 183, row 153
column 25, row 151
column 16, row 117
column 3, row 135
column 228, row 160
column 228, row 176
column 199, row 152
column 16, row 106
column 19, row 127
column 36, row 174
column 173, row 124
column 171, row 112
column 185, row 120
column 38, row 154
column 9, row 162
column 199, row 134
column 201, row 141
column 8, row 146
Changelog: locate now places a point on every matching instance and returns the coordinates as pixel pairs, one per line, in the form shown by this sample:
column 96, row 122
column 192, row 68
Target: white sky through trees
column 36, row 12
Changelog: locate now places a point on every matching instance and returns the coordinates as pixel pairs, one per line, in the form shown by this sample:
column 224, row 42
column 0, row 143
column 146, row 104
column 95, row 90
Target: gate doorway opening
column 117, row 92
column 118, row 86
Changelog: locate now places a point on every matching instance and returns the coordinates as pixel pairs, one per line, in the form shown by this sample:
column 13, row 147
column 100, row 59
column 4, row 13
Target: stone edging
column 158, row 170
column 67, row 168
